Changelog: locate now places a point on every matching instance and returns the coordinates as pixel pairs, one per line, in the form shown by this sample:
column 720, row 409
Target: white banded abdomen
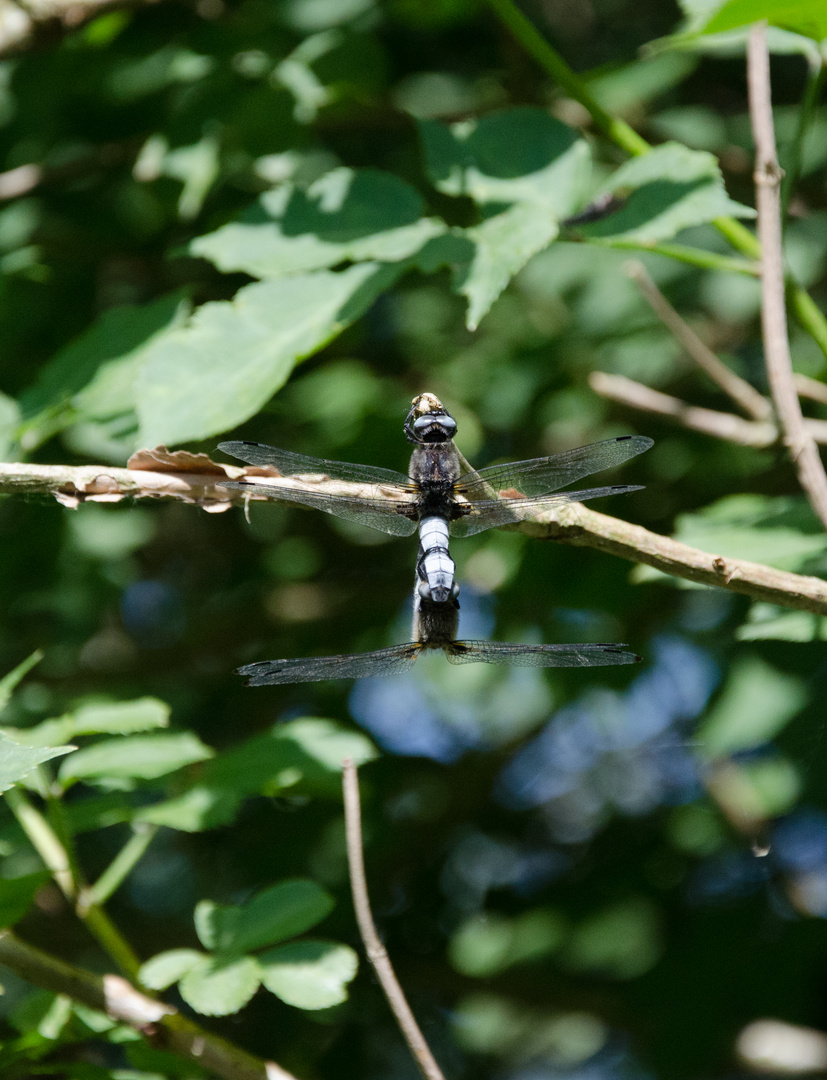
column 436, row 565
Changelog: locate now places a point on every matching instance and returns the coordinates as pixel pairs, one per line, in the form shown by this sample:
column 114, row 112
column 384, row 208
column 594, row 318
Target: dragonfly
column 435, row 626
column 441, row 495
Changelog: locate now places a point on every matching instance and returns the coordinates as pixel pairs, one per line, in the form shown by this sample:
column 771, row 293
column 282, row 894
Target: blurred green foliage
column 283, row 219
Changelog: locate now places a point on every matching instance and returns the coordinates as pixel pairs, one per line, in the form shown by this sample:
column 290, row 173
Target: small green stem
column 113, row 876
column 44, row 840
column 536, row 45
column 58, row 855
column 708, row 260
column 792, row 166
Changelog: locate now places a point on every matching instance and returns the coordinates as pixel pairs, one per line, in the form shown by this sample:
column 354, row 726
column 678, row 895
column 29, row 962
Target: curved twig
column 376, row 951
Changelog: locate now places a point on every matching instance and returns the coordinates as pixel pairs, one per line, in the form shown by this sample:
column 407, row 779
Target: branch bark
column 799, row 442
column 376, row 951
column 118, row 999
column 720, row 425
column 575, row 524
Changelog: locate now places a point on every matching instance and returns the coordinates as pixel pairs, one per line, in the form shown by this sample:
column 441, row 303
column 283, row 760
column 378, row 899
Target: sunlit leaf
column 17, row 761
column 214, row 987
column 106, row 718
column 757, row 702
column 134, row 757
column 665, row 191
column 768, row 622
column 167, row 968
column 232, row 356
column 503, row 245
column 346, row 215
column 215, row 924
column 309, row 974
column 807, row 17
column 518, row 155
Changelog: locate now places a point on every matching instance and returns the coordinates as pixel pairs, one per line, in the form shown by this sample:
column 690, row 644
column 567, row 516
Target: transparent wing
column 503, row 652
column 541, row 476
column 290, row 464
column 392, row 661
column 387, row 515
column 488, row 513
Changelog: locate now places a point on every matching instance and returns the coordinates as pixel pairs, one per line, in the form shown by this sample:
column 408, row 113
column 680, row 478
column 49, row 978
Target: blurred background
column 592, row 874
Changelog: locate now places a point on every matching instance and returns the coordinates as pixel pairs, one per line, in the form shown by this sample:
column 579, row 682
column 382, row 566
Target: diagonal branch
column 720, row 425
column 777, row 358
column 742, row 393
column 119, row 1000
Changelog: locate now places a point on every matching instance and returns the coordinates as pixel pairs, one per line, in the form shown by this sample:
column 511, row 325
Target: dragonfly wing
column 541, row 476
column 290, row 464
column 391, row 661
column 501, row 652
column 388, row 515
column 488, row 513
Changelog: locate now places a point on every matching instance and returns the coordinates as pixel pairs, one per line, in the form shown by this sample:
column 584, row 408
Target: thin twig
column 162, row 1024
column 742, row 393
column 777, row 358
column 638, row 544
column 810, row 388
column 376, row 951
column 719, row 425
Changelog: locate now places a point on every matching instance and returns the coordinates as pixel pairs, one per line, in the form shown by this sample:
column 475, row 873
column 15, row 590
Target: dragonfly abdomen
column 435, row 567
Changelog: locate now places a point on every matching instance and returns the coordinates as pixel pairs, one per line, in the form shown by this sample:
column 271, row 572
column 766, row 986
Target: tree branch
column 777, row 358
column 118, row 999
column 574, row 525
column 376, row 951
column 719, row 425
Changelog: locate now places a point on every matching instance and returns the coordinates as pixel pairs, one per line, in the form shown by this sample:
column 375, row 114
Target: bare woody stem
column 777, row 358
column 118, row 999
column 585, row 527
column 376, row 952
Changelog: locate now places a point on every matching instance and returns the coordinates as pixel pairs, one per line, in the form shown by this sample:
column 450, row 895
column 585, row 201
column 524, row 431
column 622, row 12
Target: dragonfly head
column 429, row 421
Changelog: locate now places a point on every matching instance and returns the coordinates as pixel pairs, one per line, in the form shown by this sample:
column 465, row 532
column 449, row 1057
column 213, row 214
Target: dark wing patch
column 290, row 464
column 500, row 652
column 391, row 661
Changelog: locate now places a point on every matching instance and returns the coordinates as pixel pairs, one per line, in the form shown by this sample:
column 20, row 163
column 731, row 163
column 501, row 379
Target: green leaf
column 17, row 761
column 518, row 155
column 775, row 784
column 280, row 912
column 141, row 757
column 768, row 622
column 232, row 356
column 754, row 706
column 17, row 895
column 667, row 190
column 9, row 424
column 309, row 974
column 808, row 17
column 9, row 682
column 303, row 755
column 217, row 988
column 104, row 718
column 166, row 968
column 93, row 377
column 347, row 215
column 215, row 924
column 503, row 244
